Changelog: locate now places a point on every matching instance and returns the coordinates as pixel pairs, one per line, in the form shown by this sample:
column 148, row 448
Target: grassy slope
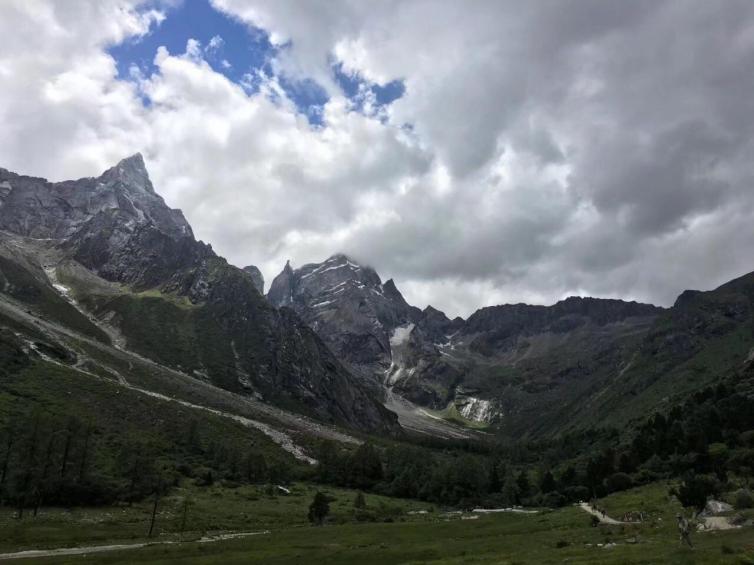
column 21, row 284
column 701, row 340
column 411, row 539
column 117, row 412
column 163, row 327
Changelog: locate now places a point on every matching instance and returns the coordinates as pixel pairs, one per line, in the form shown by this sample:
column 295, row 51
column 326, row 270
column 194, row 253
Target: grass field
column 560, row 536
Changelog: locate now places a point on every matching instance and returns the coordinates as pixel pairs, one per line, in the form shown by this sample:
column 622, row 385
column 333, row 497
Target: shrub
column 363, row 515
column 618, row 481
column 743, row 499
column 319, row 508
column 553, row 500
column 577, row 494
column 695, row 490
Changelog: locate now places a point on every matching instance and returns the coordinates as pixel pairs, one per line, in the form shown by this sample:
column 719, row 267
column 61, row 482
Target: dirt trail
column 604, row 519
column 86, row 550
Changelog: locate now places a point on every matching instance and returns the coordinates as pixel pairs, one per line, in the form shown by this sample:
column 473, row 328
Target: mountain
column 504, row 365
column 256, row 277
column 704, row 337
column 106, row 260
column 350, row 309
column 528, row 371
column 523, row 367
column 107, row 257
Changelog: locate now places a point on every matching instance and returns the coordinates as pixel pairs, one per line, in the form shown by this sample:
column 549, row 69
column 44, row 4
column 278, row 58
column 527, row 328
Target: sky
column 478, row 153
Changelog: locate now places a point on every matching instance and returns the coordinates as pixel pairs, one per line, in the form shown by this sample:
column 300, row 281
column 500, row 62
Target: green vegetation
column 68, row 438
column 22, row 284
column 190, row 511
column 433, row 537
column 176, row 335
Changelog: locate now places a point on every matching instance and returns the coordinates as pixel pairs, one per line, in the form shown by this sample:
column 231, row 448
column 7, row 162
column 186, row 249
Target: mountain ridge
column 506, row 365
column 130, row 260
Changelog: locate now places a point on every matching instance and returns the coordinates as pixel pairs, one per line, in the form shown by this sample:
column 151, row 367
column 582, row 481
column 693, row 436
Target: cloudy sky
column 477, row 152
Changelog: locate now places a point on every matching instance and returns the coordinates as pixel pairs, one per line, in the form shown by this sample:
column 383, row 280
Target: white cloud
column 215, row 44
column 555, row 147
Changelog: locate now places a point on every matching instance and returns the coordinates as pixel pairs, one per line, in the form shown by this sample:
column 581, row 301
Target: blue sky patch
column 241, row 53
column 357, row 89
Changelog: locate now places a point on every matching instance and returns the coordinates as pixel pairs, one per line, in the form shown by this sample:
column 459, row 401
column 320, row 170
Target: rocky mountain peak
column 256, row 276
column 335, row 275
column 132, row 172
column 122, row 196
column 347, row 304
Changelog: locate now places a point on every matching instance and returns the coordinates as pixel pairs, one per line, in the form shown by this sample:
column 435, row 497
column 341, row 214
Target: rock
column 715, row 507
column 349, row 308
column 256, row 277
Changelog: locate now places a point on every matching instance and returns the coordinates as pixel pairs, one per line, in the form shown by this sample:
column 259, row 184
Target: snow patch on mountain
column 476, row 409
column 401, row 335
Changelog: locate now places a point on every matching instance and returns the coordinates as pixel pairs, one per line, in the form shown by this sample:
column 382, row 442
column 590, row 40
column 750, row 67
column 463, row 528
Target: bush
column 747, row 438
column 553, row 500
column 645, row 476
column 204, row 477
column 577, row 494
column 695, row 490
column 388, row 512
column 363, row 515
column 319, row 508
column 743, row 499
column 618, row 481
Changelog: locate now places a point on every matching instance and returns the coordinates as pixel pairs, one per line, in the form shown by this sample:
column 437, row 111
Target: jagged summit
column 256, row 276
column 349, row 306
column 334, row 275
column 37, row 208
column 132, row 172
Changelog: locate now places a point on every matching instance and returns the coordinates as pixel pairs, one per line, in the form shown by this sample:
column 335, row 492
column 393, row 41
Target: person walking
column 685, row 530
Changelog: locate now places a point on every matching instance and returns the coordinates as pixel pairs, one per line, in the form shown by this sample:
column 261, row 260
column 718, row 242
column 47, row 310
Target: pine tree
column 494, row 481
column 522, row 481
column 510, row 490
column 319, row 509
column 548, row 483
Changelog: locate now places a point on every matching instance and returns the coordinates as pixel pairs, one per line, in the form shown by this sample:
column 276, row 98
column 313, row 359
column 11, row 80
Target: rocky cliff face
column 500, row 365
column 134, row 264
column 256, row 277
column 347, row 304
column 36, row 208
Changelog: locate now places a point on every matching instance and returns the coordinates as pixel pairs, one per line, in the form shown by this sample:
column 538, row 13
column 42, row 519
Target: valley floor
column 416, row 533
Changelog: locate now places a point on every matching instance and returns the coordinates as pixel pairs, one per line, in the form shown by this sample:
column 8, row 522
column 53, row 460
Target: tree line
column 69, row 461
column 700, row 441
